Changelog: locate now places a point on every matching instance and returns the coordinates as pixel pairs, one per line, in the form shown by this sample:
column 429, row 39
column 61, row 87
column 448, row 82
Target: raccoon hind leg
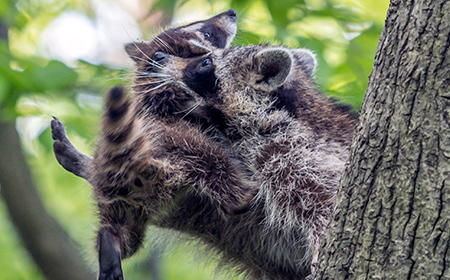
column 109, row 257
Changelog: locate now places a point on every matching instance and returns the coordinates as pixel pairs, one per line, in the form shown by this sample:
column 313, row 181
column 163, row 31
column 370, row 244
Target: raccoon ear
column 273, row 67
column 306, row 59
column 137, row 51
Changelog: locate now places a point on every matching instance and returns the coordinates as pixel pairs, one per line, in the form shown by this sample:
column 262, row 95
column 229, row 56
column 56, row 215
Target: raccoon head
column 239, row 87
column 189, row 93
column 186, row 41
column 259, row 78
column 234, row 82
column 152, row 82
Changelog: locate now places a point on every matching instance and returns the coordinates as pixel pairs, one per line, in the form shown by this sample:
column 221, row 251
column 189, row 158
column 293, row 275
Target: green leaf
column 279, row 11
column 54, row 76
column 5, row 88
column 167, row 6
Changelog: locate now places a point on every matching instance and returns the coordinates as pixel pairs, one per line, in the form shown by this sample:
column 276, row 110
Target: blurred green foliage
column 343, row 33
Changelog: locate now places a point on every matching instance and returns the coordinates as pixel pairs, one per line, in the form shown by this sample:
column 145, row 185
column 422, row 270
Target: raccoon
column 293, row 140
column 185, row 41
column 172, row 175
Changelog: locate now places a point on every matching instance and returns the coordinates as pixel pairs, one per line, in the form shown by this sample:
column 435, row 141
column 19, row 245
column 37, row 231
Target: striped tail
column 118, row 116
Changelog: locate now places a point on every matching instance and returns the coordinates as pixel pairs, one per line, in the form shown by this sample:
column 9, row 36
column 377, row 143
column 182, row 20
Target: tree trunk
column 45, row 239
column 392, row 218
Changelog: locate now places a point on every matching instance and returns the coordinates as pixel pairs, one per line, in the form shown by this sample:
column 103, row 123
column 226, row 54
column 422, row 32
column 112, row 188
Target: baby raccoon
column 186, row 41
column 293, row 139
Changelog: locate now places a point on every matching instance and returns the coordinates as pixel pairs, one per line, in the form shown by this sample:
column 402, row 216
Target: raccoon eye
column 207, row 35
column 159, row 56
column 207, row 62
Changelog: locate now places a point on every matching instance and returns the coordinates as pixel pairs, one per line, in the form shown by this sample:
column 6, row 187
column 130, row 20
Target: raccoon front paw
column 66, row 154
column 109, row 257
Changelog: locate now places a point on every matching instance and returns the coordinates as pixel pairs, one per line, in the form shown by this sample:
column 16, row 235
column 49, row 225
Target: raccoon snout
column 232, row 14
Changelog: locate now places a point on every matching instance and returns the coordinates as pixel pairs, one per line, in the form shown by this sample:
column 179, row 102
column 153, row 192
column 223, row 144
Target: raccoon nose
column 232, row 13
column 160, row 57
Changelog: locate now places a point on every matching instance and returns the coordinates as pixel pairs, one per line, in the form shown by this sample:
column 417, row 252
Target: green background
column 33, row 87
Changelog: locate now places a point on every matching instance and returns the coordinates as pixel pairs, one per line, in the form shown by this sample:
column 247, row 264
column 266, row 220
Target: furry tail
column 117, row 119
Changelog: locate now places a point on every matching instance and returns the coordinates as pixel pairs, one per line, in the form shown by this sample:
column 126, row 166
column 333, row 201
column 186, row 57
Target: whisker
column 154, row 88
column 167, row 34
column 195, row 106
column 156, row 75
column 167, row 44
column 142, row 52
column 150, row 62
column 163, row 44
column 151, row 75
column 154, row 82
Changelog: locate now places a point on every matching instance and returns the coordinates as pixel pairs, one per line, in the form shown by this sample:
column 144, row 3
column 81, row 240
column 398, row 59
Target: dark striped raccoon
column 186, row 41
column 293, row 139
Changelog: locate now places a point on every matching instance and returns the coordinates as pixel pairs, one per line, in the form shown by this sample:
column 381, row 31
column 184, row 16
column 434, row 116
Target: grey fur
column 296, row 165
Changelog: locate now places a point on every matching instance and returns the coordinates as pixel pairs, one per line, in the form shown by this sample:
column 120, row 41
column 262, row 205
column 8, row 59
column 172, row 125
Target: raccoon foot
column 67, row 155
column 109, row 257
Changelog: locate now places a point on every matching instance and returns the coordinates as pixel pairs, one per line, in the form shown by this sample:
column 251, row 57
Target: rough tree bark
column 392, row 218
column 50, row 246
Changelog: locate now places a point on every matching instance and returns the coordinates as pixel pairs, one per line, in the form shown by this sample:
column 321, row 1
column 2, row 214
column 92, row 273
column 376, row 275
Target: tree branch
column 50, row 246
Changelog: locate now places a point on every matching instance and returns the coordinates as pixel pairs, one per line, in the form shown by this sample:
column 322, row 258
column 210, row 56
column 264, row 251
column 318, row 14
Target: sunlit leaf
column 5, row 88
column 53, row 76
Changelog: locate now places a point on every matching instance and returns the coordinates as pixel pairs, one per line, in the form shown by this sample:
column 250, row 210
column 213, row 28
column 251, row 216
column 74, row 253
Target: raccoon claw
column 58, row 131
column 67, row 155
column 109, row 258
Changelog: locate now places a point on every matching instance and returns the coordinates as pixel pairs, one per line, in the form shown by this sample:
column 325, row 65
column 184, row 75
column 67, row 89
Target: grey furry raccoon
column 293, row 140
